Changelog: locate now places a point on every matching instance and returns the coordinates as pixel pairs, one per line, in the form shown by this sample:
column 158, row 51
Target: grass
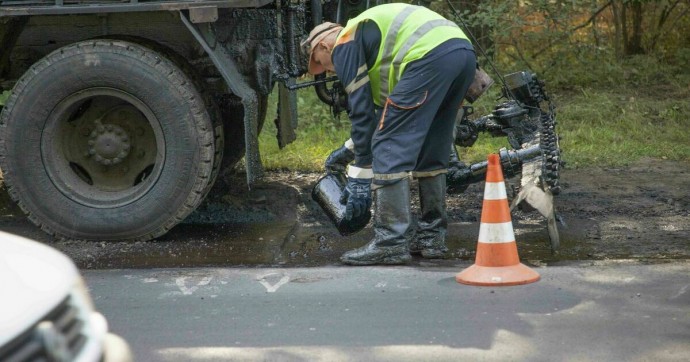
column 642, row 111
column 318, row 134
column 3, row 97
column 599, row 127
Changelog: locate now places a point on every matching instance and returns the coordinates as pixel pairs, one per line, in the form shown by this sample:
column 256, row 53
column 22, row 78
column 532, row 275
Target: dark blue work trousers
column 415, row 130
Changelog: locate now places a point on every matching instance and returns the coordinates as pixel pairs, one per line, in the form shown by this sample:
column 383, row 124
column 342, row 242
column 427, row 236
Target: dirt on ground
column 639, row 212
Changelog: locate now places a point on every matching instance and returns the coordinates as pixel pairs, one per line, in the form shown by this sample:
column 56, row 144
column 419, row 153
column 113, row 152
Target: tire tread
column 208, row 141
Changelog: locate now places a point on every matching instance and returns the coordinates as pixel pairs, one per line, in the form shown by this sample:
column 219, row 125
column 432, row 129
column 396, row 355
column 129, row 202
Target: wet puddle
column 289, row 244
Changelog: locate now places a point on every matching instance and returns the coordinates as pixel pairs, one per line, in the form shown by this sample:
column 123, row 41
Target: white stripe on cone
column 495, row 191
column 496, row 232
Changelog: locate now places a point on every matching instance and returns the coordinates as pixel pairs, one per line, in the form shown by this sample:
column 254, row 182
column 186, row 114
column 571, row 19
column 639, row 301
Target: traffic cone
column 497, row 262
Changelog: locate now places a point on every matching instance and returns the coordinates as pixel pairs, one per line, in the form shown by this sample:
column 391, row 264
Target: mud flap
column 225, row 64
column 286, row 123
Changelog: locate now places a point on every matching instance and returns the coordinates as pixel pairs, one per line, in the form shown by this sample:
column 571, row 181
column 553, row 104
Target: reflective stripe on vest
column 389, row 45
column 420, row 32
column 404, row 29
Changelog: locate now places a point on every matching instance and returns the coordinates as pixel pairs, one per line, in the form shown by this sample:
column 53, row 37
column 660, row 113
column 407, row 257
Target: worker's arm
column 350, row 64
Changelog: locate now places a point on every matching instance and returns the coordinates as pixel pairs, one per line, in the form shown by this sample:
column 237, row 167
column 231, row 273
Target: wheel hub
column 109, row 144
column 103, row 149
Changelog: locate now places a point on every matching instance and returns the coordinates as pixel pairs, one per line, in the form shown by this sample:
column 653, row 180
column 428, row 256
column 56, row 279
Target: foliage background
column 618, row 71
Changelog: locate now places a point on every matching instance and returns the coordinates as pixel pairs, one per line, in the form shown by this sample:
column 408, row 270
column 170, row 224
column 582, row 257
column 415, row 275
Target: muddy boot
column 430, row 240
column 392, row 227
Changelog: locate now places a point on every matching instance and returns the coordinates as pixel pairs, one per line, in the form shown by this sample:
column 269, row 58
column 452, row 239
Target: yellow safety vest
column 408, row 32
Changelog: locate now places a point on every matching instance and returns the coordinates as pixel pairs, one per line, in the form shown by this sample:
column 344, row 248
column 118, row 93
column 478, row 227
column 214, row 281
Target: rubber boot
column 392, row 227
column 430, row 239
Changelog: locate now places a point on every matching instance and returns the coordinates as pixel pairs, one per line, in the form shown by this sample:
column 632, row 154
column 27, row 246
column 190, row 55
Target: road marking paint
column 189, row 291
column 681, row 291
column 272, row 288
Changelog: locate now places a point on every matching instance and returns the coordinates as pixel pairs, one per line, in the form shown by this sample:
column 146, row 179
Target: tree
column 641, row 24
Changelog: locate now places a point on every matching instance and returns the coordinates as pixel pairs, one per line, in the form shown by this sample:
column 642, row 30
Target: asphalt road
column 590, row 311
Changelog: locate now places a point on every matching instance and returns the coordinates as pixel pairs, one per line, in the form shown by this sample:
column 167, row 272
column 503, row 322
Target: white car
column 46, row 312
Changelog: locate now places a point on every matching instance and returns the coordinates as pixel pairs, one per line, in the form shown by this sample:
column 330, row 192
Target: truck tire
column 106, row 140
column 197, row 78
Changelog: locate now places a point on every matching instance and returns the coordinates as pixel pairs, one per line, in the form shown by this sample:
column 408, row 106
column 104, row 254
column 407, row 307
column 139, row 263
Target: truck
column 124, row 114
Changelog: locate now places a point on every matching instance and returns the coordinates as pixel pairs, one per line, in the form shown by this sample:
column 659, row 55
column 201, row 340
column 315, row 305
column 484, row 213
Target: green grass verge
column 318, row 133
column 599, row 127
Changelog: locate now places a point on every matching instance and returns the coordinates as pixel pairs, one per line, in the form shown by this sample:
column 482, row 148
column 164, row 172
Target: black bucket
column 327, row 193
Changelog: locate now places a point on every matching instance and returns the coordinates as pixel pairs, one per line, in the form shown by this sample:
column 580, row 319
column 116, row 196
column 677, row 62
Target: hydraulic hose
column 320, row 88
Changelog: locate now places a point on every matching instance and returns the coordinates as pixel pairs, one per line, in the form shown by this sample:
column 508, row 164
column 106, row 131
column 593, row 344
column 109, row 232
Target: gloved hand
column 339, row 159
column 357, row 197
column 458, row 178
column 459, row 174
column 466, row 134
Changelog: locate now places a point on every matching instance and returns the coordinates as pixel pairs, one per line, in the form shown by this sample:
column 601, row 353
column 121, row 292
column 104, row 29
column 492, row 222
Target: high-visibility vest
column 408, row 32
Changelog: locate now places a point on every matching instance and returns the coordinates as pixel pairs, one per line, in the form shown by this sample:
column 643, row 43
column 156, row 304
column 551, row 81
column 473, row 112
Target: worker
column 405, row 70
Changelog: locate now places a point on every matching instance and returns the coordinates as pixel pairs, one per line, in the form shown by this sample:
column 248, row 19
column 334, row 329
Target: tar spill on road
column 610, row 214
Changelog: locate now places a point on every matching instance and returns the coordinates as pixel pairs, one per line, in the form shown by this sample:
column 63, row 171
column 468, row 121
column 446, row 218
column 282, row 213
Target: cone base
column 497, row 276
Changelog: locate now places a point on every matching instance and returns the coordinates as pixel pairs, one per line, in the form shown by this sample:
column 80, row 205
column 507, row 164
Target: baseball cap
column 315, row 37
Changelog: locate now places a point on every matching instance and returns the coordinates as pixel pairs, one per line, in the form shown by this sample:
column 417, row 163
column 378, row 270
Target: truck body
column 124, row 114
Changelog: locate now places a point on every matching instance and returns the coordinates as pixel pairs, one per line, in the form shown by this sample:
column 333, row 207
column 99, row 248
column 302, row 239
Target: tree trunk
column 624, row 26
column 634, row 43
column 618, row 26
column 628, row 17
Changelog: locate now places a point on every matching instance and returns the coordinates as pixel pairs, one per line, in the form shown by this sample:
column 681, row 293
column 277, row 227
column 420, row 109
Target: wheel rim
column 103, row 148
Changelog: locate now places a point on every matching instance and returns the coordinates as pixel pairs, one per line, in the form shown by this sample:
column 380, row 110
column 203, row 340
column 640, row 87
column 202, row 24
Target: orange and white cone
column 497, row 262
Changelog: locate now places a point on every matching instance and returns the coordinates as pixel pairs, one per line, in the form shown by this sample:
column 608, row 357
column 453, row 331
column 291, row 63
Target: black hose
column 317, row 18
column 320, row 89
column 316, row 13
